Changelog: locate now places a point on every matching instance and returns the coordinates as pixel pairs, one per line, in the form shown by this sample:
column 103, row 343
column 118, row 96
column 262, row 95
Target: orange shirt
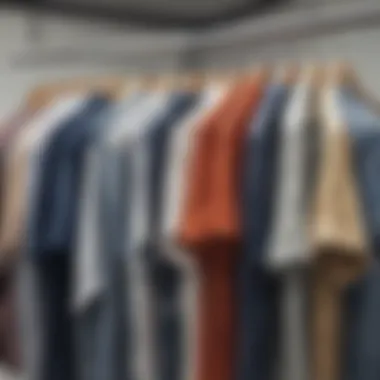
column 210, row 224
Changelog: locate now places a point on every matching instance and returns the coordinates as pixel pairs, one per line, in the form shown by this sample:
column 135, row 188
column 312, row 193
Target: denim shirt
column 259, row 170
column 165, row 277
column 364, row 129
column 52, row 224
column 99, row 300
column 362, row 301
column 257, row 289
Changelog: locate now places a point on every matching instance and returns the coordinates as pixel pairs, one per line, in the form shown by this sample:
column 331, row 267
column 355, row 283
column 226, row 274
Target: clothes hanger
column 234, row 76
column 334, row 76
column 161, row 82
column 129, row 86
column 222, row 77
column 193, row 81
column 41, row 96
column 313, row 74
column 286, row 74
column 265, row 72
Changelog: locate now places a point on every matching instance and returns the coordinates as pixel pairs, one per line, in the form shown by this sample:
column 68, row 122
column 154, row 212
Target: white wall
column 16, row 42
column 359, row 47
column 358, row 44
column 161, row 51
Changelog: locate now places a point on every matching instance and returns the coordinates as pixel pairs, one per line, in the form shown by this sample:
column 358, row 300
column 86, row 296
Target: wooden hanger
column 117, row 87
column 186, row 81
column 42, row 94
column 287, row 73
column 341, row 74
column 221, row 76
column 265, row 72
column 146, row 82
column 194, row 81
column 313, row 73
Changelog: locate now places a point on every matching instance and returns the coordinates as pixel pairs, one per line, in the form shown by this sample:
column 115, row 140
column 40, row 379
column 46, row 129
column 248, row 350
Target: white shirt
column 289, row 246
column 88, row 276
column 288, row 243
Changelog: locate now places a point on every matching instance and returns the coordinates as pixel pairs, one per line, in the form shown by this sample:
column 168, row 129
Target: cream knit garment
column 337, row 235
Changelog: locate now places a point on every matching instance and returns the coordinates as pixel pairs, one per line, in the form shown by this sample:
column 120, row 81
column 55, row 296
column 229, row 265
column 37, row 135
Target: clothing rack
column 252, row 134
column 270, row 29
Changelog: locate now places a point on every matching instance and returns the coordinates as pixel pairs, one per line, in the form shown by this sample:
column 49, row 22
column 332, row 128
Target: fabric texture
column 131, row 142
column 22, row 166
column 10, row 345
column 180, row 144
column 362, row 309
column 288, row 251
column 23, row 153
column 164, row 278
column 51, row 234
column 87, row 268
column 102, row 299
column 51, row 226
column 338, row 237
column 98, row 299
column 258, row 297
column 210, row 227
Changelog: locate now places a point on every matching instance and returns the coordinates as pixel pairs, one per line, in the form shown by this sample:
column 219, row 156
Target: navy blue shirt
column 364, row 130
column 362, row 333
column 166, row 278
column 260, row 169
column 258, row 291
column 53, row 219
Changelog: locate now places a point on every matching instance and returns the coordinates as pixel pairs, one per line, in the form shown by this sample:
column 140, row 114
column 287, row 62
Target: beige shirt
column 337, row 236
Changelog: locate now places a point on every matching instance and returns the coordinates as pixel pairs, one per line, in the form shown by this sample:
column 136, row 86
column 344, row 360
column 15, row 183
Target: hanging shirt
column 98, row 297
column 10, row 347
column 8, row 136
column 57, row 194
column 210, row 227
column 20, row 159
column 180, row 144
column 258, row 290
column 87, row 267
column 337, row 234
column 364, row 130
column 125, row 193
column 288, row 246
column 8, row 132
column 12, row 126
column 51, row 233
column 22, row 163
column 362, row 311
column 14, row 198
column 162, row 277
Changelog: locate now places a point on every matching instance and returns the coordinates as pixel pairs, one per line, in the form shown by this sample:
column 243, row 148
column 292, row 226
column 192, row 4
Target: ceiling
column 154, row 13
